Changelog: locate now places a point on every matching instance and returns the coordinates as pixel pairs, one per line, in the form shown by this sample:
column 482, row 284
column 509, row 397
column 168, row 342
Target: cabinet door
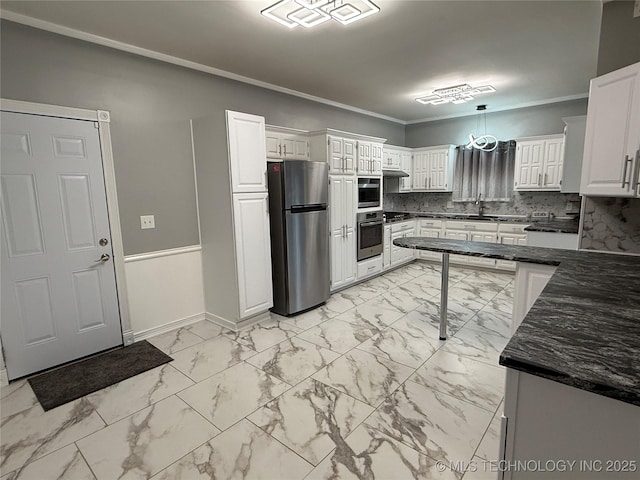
column 612, row 137
column 247, row 152
column 528, row 167
column 553, row 157
column 386, row 257
column 420, row 171
column 349, row 149
column 426, row 254
column 392, row 160
column 405, row 166
column 253, row 252
column 510, row 239
column 439, row 159
column 376, row 159
column 342, row 197
column 300, row 148
column 482, row 237
column 397, row 254
column 336, row 155
column 274, row 148
column 364, row 157
column 456, row 235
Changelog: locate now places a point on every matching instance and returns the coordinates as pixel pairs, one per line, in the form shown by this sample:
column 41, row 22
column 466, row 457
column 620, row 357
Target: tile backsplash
column 523, row 203
column 611, row 224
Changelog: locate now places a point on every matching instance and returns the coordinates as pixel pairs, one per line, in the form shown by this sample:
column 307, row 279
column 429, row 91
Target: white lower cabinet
column 431, row 229
column 399, row 230
column 510, row 234
column 342, row 214
column 253, row 252
column 475, row 232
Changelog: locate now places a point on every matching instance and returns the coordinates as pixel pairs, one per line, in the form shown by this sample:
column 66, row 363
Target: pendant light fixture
column 486, row 143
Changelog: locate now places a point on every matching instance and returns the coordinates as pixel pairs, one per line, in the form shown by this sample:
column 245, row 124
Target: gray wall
column 507, row 125
column 151, row 103
column 619, row 37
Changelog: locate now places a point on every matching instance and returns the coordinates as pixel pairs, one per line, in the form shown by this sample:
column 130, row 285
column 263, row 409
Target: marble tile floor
column 360, row 388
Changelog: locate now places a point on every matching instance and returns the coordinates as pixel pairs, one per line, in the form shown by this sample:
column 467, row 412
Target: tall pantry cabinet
column 231, row 165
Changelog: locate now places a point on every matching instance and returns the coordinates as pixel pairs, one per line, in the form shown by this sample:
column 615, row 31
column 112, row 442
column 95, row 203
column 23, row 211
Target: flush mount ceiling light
column 309, row 13
column 456, row 94
column 486, row 143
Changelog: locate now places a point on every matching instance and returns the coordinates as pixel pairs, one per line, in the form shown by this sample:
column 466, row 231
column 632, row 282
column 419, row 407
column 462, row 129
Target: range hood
column 394, row 173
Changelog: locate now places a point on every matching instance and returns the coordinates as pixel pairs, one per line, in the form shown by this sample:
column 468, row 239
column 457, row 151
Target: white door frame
column 102, row 118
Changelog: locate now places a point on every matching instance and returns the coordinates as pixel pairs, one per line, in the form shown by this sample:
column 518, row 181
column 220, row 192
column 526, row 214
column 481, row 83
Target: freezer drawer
column 307, row 259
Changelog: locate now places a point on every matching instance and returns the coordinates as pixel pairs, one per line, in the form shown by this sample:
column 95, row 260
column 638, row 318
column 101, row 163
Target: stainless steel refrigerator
column 298, row 193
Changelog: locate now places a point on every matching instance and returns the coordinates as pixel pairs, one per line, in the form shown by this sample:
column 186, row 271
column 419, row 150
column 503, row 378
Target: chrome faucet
column 480, row 205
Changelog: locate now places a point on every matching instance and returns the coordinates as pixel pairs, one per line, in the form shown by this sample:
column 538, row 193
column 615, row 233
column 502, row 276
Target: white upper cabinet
column 369, row 159
column 247, row 152
column 405, row 166
column 611, row 163
column 347, row 152
column 391, row 160
column 342, row 155
column 286, row 144
column 433, row 169
column 539, row 162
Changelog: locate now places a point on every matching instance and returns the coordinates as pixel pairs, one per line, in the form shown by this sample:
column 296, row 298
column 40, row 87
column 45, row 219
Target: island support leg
column 444, row 294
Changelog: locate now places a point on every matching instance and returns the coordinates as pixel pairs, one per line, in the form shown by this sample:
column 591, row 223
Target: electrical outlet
column 636, row 9
column 539, row 214
column 147, row 221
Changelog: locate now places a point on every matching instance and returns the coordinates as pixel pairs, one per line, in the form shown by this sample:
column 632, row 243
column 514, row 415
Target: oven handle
column 368, row 185
column 369, row 224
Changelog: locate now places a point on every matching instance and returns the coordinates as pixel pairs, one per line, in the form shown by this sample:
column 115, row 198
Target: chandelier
column 309, row 13
column 486, row 143
column 456, row 94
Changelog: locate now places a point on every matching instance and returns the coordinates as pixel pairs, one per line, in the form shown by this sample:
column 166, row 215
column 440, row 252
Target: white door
column 247, row 152
column 430, row 233
column 350, row 149
column 376, row 159
column 253, row 251
column 59, row 300
column 273, row 144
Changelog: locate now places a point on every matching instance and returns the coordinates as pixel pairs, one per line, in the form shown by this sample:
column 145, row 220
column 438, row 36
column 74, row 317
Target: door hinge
column 96, row 125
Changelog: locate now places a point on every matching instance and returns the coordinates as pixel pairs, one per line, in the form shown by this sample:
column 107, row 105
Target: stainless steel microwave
column 369, row 192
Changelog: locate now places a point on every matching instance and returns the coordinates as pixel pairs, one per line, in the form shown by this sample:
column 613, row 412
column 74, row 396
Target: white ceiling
column 531, row 51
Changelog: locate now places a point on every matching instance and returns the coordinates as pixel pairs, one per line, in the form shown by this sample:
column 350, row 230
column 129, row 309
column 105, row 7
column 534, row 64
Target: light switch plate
column 636, row 9
column 147, row 221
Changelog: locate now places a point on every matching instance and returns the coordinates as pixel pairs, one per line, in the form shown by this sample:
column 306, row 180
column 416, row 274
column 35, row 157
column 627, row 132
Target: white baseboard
column 167, row 327
column 128, row 337
column 4, row 379
column 223, row 322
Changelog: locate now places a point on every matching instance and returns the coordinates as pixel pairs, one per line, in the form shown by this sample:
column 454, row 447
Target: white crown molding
column 503, row 109
column 107, row 42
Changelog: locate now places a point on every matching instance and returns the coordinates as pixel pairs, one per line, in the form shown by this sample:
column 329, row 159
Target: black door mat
column 61, row 385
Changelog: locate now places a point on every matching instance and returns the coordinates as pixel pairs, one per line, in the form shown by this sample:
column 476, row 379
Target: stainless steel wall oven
column 370, row 233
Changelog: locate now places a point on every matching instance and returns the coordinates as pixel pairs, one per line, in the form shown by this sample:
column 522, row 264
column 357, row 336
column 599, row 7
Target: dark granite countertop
column 460, row 216
column 554, row 226
column 584, row 329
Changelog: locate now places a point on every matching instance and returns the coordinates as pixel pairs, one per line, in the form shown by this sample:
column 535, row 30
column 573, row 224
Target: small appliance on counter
column 298, row 193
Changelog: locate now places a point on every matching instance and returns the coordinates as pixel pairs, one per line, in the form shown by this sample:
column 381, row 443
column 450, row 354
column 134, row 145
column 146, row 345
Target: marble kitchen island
column 573, row 369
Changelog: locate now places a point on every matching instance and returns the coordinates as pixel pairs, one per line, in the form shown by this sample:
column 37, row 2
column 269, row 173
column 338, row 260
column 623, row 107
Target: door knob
column 103, row 242
column 103, row 258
